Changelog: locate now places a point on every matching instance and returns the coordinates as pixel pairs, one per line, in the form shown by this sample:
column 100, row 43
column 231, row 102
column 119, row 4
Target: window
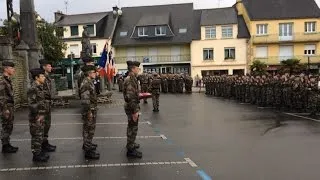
column 160, row 31
column 210, row 32
column 123, row 33
column 74, row 30
column 142, row 31
column 94, row 48
column 227, row 31
column 208, row 54
column 310, row 49
column 74, row 49
column 90, row 29
column 183, row 30
column 262, row 29
column 262, row 52
column 229, row 53
column 285, row 29
column 309, row 27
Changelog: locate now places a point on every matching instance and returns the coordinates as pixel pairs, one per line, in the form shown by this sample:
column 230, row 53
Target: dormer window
column 90, row 29
column 142, row 31
column 160, row 31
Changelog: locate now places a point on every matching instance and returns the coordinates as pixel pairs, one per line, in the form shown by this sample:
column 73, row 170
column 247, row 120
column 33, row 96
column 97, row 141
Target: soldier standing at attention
column 132, row 108
column 120, row 83
column 7, row 106
column 144, row 81
column 155, row 91
column 80, row 76
column 37, row 111
column 46, row 66
column 89, row 103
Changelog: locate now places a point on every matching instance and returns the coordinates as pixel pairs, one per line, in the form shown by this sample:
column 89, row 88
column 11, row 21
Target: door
column 175, row 53
column 131, row 54
column 169, row 70
column 285, row 31
column 163, row 70
column 153, row 55
column 285, row 52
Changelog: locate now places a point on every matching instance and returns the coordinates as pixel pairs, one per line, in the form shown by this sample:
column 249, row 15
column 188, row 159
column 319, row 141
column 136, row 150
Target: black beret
column 36, row 71
column 7, row 63
column 87, row 59
column 88, row 68
column 133, row 63
column 44, row 62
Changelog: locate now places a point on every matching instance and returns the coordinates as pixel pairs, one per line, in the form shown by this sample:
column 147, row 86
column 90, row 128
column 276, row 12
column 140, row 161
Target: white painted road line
column 291, row 114
column 109, row 123
column 192, row 164
column 102, row 114
column 163, row 136
column 95, row 166
column 80, row 138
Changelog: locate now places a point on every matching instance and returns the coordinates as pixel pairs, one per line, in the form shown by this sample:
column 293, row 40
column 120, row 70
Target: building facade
column 221, row 44
column 288, row 29
column 99, row 26
column 157, row 36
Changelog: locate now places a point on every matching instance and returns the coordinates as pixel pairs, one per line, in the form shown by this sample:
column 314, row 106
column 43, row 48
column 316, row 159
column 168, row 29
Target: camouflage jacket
column 88, row 94
column 36, row 99
column 155, row 84
column 6, row 93
column 47, row 87
column 131, row 94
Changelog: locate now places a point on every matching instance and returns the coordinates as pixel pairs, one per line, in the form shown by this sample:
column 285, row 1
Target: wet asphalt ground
column 192, row 137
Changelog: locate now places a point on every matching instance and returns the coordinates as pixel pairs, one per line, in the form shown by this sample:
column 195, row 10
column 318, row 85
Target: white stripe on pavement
column 109, row 123
column 291, row 114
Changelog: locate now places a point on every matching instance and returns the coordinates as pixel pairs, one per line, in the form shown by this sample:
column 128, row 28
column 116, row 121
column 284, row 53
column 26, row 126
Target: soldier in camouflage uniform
column 120, row 83
column 38, row 110
column 89, row 103
column 7, row 106
column 132, row 108
column 144, row 83
column 188, row 84
column 164, row 83
column 46, row 66
column 80, row 75
column 155, row 91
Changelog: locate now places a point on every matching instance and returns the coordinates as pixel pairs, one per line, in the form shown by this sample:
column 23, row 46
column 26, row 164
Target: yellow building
column 219, row 45
column 282, row 30
column 99, row 28
column 157, row 36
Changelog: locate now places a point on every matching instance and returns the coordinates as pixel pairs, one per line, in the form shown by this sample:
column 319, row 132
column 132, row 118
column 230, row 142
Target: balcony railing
column 154, row 59
column 276, row 38
column 274, row 60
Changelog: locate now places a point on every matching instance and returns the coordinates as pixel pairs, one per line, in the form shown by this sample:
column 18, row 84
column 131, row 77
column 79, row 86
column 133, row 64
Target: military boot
column 40, row 157
column 48, row 147
column 92, row 147
column 92, row 154
column 134, row 153
column 7, row 148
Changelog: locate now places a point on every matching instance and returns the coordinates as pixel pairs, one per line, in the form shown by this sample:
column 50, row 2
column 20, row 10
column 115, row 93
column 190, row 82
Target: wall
column 218, row 45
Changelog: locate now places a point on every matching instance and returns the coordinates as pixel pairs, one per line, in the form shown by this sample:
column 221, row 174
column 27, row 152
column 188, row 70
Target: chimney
column 58, row 16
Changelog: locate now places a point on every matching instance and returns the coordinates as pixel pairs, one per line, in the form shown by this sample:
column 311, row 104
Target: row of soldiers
column 172, row 83
column 298, row 93
column 39, row 100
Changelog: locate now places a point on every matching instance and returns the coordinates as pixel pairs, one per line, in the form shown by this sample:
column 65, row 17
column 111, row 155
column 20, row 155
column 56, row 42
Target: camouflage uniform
column 89, row 103
column 144, row 82
column 164, row 83
column 188, row 84
column 120, row 83
column 6, row 104
column 131, row 106
column 155, row 90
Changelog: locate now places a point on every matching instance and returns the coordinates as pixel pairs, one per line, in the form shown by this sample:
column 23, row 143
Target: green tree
column 292, row 66
column 258, row 67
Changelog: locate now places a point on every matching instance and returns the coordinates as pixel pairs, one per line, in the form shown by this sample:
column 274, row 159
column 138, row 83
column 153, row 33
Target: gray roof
column 104, row 22
column 181, row 16
column 154, row 19
column 223, row 16
column 77, row 19
column 281, row 9
column 218, row 16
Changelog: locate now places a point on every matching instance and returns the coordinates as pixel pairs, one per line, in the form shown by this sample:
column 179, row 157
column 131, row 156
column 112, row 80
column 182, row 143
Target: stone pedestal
column 34, row 56
column 6, row 48
column 22, row 51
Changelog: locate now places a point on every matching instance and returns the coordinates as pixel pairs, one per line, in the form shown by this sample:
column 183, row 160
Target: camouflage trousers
column 36, row 131
column 155, row 100
column 89, row 128
column 188, row 88
column 7, row 127
column 144, row 89
column 132, row 131
column 47, row 123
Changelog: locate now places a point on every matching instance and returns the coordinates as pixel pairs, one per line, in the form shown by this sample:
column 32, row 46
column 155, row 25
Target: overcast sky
column 46, row 8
